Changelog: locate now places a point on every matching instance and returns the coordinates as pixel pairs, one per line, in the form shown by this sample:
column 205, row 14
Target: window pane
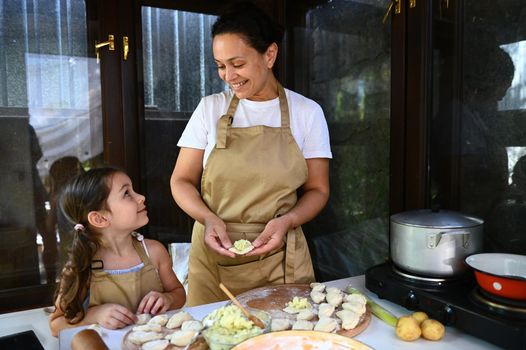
column 50, row 126
column 179, row 69
column 343, row 62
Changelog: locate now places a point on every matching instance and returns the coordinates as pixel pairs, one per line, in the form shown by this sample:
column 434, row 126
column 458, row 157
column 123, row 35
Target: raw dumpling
column 160, row 344
column 279, row 324
column 333, row 290
column 325, row 310
column 326, row 324
column 334, row 298
column 141, row 337
column 349, row 319
column 182, row 338
column 241, row 247
column 177, row 319
column 357, row 307
column 159, row 319
column 296, row 305
column 153, row 327
column 317, row 287
column 192, row 325
column 302, row 325
column 305, row 314
column 317, row 297
column 143, row 318
column 355, row 297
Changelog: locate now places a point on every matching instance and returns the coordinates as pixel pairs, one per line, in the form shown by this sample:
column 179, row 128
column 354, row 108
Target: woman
column 249, row 149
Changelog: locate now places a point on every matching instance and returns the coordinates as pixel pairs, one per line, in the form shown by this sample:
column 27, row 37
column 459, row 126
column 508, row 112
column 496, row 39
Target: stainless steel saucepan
column 434, row 243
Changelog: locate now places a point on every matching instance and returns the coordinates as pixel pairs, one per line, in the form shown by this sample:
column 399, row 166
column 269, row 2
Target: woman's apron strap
column 224, row 123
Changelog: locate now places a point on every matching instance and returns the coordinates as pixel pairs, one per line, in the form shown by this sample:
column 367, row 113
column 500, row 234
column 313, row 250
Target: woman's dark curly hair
column 249, row 21
column 85, row 193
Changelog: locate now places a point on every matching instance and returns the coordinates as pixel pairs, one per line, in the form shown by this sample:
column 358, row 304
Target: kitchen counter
column 378, row 335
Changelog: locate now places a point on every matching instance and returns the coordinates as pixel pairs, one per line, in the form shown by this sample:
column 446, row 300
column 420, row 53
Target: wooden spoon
column 257, row 322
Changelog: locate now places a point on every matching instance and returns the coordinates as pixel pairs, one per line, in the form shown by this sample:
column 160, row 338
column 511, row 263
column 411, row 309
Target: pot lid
column 436, row 219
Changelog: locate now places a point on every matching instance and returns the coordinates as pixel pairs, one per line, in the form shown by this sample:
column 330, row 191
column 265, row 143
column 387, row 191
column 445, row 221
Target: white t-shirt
column 307, row 122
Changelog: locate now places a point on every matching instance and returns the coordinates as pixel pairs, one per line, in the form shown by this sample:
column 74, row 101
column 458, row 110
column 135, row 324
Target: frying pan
column 500, row 274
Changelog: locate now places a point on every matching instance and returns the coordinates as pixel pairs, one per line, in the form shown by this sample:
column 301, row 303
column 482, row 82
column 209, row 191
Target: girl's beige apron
column 126, row 289
column 251, row 176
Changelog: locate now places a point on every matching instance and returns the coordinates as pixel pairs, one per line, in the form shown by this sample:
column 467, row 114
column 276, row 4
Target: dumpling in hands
column 241, row 247
column 143, row 318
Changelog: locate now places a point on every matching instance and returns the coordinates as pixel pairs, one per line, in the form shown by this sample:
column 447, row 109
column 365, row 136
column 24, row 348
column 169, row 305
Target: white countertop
column 377, row 335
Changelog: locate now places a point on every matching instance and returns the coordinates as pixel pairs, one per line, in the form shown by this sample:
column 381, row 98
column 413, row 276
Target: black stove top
column 455, row 302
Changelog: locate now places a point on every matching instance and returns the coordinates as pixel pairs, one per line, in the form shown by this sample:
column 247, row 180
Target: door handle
column 397, row 4
column 110, row 43
column 125, row 48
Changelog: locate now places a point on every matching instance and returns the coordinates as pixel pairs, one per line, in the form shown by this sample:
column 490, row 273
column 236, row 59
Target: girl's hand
column 113, row 316
column 216, row 237
column 154, row 303
column 272, row 236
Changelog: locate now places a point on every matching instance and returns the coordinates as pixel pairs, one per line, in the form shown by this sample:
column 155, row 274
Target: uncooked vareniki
column 159, row 319
column 325, row 310
column 302, row 325
column 349, row 319
column 182, row 338
column 326, row 324
column 317, row 297
column 317, row 287
column 306, row 314
column 192, row 325
column 334, row 298
column 159, row 344
column 279, row 324
column 177, row 319
column 357, row 307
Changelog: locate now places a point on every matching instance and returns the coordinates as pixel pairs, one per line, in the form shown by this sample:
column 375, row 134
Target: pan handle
column 433, row 239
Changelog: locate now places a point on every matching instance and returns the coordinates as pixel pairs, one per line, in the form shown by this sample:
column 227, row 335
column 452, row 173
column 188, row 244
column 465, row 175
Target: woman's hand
column 272, row 237
column 216, row 237
column 154, row 303
column 113, row 316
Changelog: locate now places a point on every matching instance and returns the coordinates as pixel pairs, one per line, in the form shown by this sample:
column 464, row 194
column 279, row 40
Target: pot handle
column 433, row 239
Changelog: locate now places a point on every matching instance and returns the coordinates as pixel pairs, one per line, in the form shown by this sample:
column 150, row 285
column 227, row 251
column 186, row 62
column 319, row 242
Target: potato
column 420, row 316
column 407, row 328
column 432, row 329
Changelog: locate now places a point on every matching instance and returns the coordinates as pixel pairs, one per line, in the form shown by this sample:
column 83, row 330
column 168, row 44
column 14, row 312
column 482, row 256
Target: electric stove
column 456, row 302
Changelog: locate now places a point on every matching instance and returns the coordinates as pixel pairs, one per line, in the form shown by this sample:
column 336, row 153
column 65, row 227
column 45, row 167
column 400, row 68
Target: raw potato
column 407, row 328
column 420, row 316
column 432, row 329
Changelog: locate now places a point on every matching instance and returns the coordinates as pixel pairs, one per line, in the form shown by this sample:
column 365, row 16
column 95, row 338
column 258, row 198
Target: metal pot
column 434, row 243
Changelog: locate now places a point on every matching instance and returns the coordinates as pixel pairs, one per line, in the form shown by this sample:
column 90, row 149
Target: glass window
column 179, row 70
column 50, row 129
column 342, row 61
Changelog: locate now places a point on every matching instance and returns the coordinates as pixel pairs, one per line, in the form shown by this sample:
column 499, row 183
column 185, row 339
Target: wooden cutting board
column 272, row 299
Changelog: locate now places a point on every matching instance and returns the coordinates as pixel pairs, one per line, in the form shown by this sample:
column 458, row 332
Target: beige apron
column 251, row 176
column 126, row 289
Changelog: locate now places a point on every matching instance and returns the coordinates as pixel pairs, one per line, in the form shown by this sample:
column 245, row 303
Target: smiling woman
column 250, row 149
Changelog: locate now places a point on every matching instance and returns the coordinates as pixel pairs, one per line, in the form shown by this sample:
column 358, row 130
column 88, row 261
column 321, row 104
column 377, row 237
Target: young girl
column 112, row 273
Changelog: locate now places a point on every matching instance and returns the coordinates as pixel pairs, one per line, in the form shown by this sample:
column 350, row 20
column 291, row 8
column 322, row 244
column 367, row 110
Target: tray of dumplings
column 310, row 307
column 164, row 332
